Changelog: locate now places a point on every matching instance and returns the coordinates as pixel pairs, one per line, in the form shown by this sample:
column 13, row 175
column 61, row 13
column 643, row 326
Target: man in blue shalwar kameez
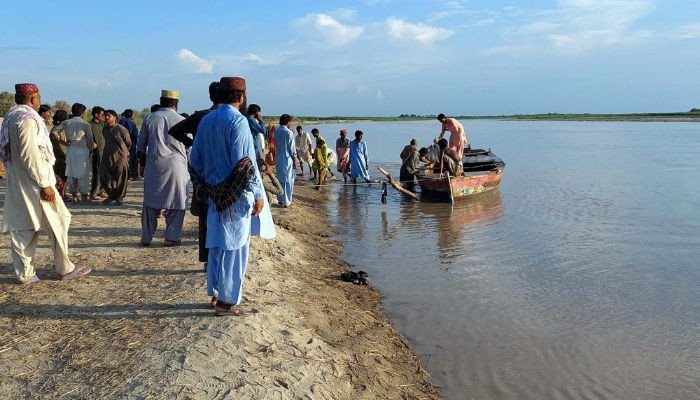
column 359, row 159
column 224, row 143
column 285, row 154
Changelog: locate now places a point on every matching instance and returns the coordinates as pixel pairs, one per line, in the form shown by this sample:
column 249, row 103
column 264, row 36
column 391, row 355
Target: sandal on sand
column 222, row 309
column 212, row 304
column 77, row 273
column 29, row 281
column 171, row 243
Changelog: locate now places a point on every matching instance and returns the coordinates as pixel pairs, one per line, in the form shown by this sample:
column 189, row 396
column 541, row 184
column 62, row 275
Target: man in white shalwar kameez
column 78, row 160
column 222, row 149
column 31, row 203
column 302, row 142
column 165, row 176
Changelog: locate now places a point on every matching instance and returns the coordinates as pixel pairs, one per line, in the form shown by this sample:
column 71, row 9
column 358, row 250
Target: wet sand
column 139, row 326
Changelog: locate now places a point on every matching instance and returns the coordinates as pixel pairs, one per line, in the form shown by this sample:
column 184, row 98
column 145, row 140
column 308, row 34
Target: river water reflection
column 578, row 279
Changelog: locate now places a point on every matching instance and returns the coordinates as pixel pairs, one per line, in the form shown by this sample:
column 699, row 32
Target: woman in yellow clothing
column 320, row 164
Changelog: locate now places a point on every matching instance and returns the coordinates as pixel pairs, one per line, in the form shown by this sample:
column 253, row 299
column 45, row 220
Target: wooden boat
column 483, row 171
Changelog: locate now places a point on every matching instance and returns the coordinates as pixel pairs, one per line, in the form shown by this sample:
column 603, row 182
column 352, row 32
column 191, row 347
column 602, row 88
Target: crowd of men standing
column 215, row 149
column 226, row 152
column 92, row 158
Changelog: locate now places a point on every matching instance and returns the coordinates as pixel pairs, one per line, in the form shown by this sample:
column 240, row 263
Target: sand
column 139, row 325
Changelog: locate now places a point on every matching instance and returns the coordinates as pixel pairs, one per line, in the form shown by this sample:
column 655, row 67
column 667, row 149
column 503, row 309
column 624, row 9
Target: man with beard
column 223, row 160
column 115, row 159
column 165, row 176
column 31, row 203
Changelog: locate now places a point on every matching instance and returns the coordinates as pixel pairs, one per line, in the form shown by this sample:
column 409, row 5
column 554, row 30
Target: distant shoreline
column 648, row 117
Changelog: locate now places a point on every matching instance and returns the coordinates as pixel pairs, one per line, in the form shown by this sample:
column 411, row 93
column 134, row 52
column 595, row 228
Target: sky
column 364, row 57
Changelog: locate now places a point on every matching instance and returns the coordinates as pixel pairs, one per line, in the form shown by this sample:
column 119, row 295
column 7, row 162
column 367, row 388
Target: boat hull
column 459, row 187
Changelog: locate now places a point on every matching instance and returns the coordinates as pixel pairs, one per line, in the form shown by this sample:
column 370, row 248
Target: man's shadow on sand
column 104, row 312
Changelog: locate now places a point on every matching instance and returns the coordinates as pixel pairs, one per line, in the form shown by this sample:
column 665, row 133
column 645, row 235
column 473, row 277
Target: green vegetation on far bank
column 693, row 115
column 7, row 101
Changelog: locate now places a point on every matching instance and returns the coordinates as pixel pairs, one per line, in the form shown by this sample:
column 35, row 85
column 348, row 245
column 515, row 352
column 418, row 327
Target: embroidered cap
column 170, row 94
column 233, row 82
column 26, row 88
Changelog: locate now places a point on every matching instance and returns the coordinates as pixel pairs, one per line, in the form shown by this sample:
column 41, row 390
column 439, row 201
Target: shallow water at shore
column 578, row 279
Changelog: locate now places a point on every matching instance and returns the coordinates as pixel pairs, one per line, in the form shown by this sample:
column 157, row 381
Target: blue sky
column 371, row 57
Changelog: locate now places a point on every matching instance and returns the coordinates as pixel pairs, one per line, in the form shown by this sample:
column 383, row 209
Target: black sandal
column 223, row 309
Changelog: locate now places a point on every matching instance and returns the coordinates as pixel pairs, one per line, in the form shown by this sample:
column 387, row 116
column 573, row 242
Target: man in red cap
column 31, row 203
column 222, row 162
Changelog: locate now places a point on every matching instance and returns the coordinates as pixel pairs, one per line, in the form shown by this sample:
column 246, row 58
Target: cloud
column 264, row 60
column 99, row 83
column 329, row 29
column 343, row 13
column 687, row 32
column 380, row 95
column 578, row 26
column 422, row 33
column 194, row 62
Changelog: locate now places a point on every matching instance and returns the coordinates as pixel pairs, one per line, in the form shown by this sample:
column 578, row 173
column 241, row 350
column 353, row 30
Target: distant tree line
column 417, row 116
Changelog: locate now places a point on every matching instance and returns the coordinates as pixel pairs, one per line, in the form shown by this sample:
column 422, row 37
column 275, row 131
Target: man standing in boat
column 458, row 139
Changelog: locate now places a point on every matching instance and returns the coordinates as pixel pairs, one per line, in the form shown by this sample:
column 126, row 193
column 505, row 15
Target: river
column 578, row 279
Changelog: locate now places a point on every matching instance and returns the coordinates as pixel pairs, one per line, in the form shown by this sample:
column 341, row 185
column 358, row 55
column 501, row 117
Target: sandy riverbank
column 139, row 326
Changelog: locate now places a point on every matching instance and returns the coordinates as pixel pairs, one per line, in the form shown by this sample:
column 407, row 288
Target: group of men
column 321, row 158
column 448, row 157
column 220, row 150
column 93, row 158
column 222, row 163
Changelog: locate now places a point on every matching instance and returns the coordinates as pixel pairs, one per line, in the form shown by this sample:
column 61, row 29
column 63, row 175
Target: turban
column 26, row 88
column 233, row 83
column 170, row 94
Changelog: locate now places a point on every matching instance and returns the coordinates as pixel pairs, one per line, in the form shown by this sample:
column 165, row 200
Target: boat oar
column 396, row 185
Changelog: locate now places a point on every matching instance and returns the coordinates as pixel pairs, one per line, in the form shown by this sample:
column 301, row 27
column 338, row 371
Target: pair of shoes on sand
column 76, row 273
column 358, row 278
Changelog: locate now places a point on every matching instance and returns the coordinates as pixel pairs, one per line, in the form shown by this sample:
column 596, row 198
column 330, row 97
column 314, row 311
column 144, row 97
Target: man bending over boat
column 448, row 161
column 458, row 139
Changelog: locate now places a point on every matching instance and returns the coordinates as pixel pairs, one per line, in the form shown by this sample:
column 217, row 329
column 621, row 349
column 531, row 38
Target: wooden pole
column 396, row 185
